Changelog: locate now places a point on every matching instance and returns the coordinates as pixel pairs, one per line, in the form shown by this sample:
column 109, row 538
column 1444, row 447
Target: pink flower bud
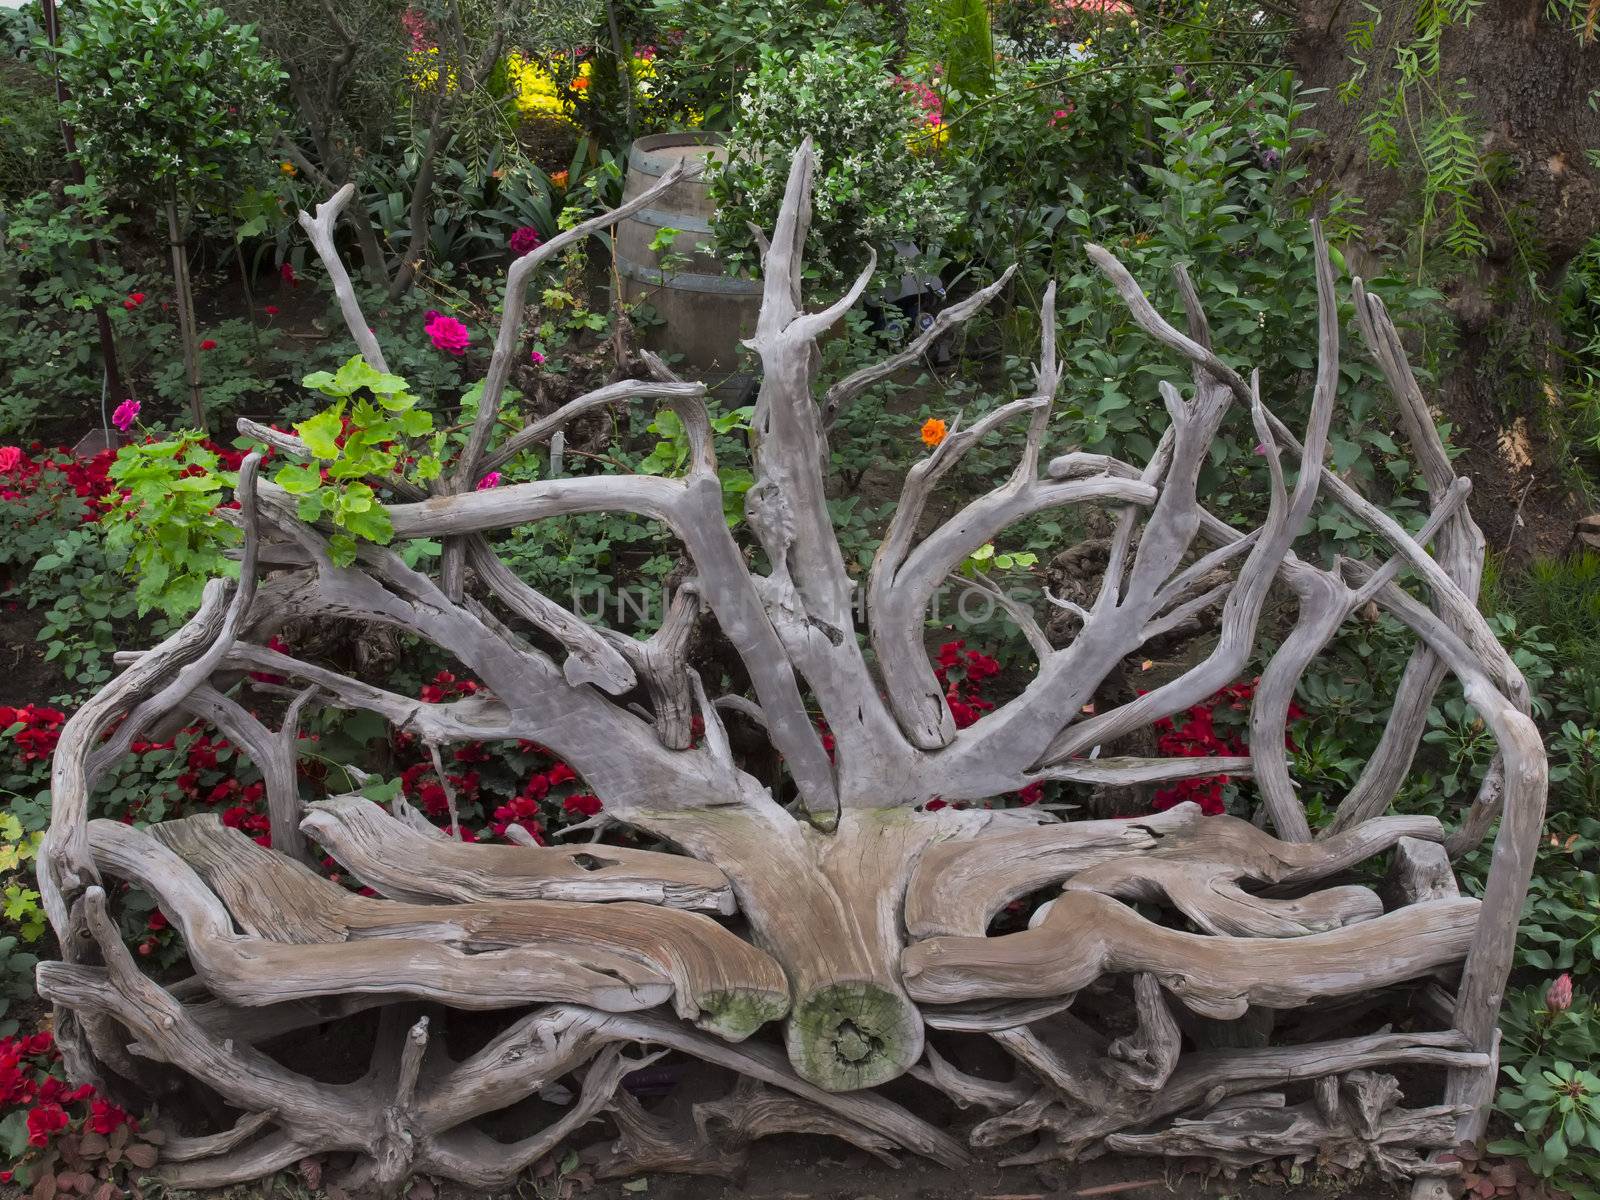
column 1559, row 996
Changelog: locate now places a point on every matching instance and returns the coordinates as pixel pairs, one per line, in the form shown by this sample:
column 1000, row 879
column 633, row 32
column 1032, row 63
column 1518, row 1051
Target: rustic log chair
column 865, row 910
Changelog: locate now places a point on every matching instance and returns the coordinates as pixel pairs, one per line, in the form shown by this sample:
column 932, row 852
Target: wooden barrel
column 704, row 312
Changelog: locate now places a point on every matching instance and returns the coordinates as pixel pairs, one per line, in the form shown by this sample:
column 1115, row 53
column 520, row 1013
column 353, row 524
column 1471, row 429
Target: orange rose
column 933, row 431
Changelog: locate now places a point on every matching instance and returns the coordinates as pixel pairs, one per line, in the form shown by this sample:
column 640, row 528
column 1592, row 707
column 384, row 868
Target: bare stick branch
column 320, row 229
column 611, row 393
column 516, row 299
column 843, row 394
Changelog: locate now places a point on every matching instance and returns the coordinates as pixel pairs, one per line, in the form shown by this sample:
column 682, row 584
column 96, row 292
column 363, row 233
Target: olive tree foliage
column 352, row 67
column 172, row 101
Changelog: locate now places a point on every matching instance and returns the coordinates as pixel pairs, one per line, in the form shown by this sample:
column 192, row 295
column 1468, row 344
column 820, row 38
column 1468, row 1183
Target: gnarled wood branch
column 863, row 908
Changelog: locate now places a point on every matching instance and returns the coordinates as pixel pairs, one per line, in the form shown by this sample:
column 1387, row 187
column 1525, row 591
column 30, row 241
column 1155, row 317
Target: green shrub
column 165, row 526
column 879, row 177
column 49, row 287
column 1551, row 1041
column 168, row 96
column 30, row 137
column 1561, row 597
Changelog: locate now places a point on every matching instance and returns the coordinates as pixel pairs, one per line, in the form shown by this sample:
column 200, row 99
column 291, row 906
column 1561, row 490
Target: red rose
column 208, row 344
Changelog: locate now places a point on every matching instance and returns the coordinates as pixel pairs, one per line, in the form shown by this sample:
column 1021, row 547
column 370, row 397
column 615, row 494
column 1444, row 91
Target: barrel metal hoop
column 641, row 158
column 666, row 220
column 684, row 281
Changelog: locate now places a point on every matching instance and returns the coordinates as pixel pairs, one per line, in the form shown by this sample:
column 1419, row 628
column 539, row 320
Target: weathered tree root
column 412, row 1112
column 862, row 908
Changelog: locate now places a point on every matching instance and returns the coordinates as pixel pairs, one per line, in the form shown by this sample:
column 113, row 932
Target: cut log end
column 852, row 1035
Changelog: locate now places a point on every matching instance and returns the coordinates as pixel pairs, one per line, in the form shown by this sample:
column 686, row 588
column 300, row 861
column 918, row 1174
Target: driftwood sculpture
column 1175, row 995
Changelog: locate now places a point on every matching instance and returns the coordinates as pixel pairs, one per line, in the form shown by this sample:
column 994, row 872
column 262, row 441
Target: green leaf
column 14, row 1134
column 381, row 792
column 371, row 523
column 299, row 479
column 1555, row 1147
column 320, row 433
column 416, row 422
column 342, row 550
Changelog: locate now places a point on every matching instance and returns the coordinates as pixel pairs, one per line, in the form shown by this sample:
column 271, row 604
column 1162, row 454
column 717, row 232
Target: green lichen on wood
column 853, row 1034
column 735, row 1015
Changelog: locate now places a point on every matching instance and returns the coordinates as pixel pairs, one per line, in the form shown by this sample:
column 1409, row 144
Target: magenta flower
column 536, row 358
column 491, row 480
column 525, row 239
column 448, row 334
column 10, row 459
column 126, row 414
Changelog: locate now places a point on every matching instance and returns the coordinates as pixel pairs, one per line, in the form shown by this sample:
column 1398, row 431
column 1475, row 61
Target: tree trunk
column 1528, row 80
column 421, row 194
column 186, row 322
column 827, row 907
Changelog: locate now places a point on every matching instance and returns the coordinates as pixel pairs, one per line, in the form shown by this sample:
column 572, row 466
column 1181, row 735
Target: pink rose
column 536, row 358
column 10, row 459
column 126, row 414
column 491, row 480
column 448, row 334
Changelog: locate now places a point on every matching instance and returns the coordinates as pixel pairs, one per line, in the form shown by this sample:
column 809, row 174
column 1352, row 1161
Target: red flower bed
column 29, row 1083
column 24, row 473
column 37, row 729
column 1195, row 734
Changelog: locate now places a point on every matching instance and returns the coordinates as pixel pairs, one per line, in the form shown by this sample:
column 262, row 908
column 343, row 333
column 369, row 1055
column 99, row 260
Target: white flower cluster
column 168, row 95
column 878, row 179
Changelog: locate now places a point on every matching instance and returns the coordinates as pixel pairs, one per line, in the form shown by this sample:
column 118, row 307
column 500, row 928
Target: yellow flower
column 288, row 169
column 425, row 70
column 537, row 93
column 933, row 431
column 931, row 137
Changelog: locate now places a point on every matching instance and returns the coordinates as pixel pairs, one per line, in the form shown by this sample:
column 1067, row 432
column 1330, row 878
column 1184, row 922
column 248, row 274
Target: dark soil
column 1525, row 81
column 25, row 677
column 796, row 1169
